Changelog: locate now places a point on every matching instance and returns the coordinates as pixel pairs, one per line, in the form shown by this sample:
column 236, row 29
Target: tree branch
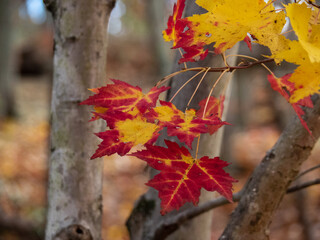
column 270, row 180
column 244, row 65
column 308, row 170
column 167, row 227
column 303, row 185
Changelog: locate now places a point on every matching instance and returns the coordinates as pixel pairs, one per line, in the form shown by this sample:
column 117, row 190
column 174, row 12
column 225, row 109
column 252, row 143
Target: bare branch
column 307, row 171
column 313, row 4
column 167, row 227
column 244, row 65
column 303, row 185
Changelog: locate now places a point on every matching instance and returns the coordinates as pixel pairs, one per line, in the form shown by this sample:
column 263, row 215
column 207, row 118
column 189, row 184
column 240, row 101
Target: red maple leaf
column 122, row 96
column 175, row 26
column 111, row 144
column 182, row 177
column 185, row 125
column 214, row 107
column 127, row 130
column 247, row 40
column 176, row 32
column 286, row 89
column 213, row 110
column 194, row 53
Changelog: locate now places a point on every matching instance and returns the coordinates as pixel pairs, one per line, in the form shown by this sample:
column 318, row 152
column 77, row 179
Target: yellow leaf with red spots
column 185, row 125
column 305, row 22
column 228, row 22
column 128, row 129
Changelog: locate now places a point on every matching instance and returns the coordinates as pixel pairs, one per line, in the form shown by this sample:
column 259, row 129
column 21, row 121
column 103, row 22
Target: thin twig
column 232, row 68
column 213, row 87
column 303, row 185
column 262, row 64
column 313, row 4
column 307, row 171
column 245, row 65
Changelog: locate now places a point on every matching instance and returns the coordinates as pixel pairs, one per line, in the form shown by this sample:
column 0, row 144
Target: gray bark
column 156, row 24
column 269, row 182
column 146, row 214
column 75, row 182
column 6, row 79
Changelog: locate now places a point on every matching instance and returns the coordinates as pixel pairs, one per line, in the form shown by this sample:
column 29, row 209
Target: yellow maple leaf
column 305, row 22
column 228, row 22
column 137, row 130
column 189, row 115
column 167, row 112
column 307, row 81
column 291, row 51
column 306, row 77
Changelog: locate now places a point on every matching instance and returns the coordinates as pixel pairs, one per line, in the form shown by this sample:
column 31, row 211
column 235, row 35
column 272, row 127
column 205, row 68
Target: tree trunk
column 75, row 182
column 6, row 80
column 156, row 23
column 146, row 214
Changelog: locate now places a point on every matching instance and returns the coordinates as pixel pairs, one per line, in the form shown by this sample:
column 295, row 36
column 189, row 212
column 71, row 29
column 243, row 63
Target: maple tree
column 134, row 118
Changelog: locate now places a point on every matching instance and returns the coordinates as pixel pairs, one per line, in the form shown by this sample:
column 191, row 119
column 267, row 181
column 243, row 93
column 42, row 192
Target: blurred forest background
column 137, row 55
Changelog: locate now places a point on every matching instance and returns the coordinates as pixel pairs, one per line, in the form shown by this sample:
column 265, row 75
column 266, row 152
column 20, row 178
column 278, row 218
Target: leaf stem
column 213, row 87
column 185, row 64
column 168, row 77
column 197, row 87
column 197, row 149
column 186, row 84
column 267, row 5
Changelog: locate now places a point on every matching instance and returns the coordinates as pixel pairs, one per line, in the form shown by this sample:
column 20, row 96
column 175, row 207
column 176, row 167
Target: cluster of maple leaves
column 134, row 119
column 228, row 22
